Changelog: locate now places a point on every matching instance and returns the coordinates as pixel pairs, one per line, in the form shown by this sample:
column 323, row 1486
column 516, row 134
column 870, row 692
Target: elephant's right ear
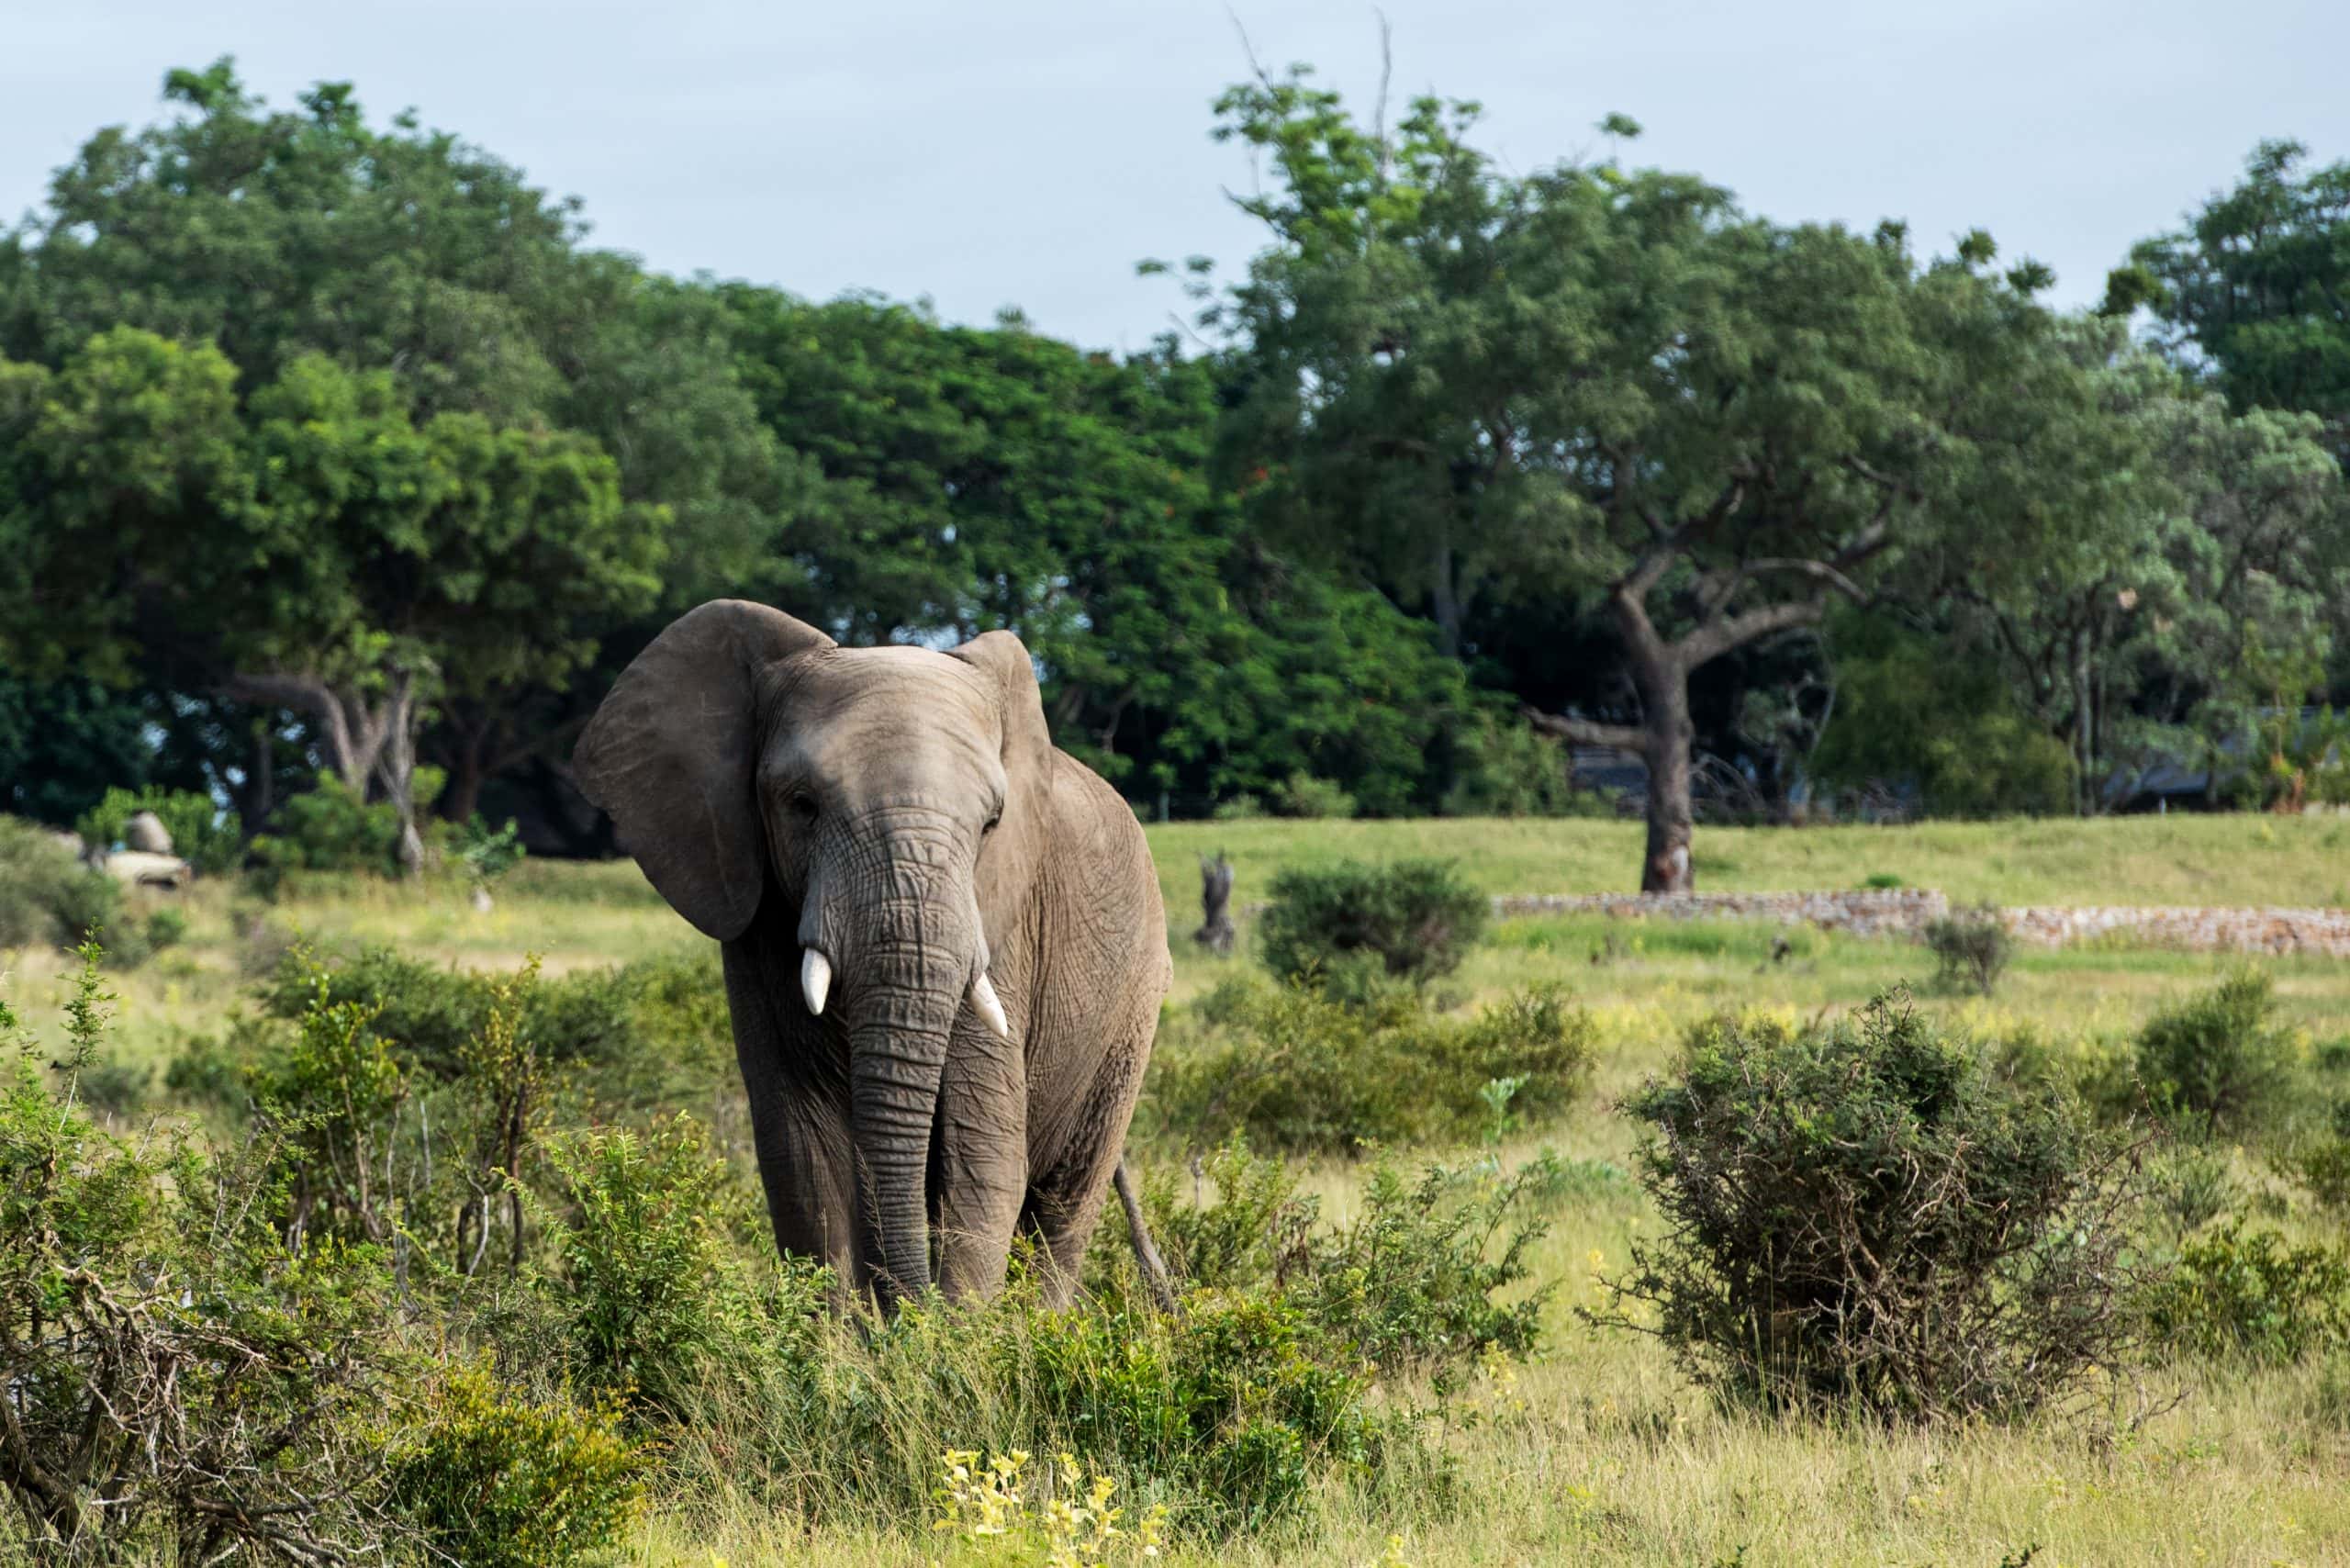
column 672, row 753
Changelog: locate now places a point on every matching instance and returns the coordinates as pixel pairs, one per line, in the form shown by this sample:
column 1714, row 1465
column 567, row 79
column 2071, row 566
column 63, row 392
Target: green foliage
column 1303, row 795
column 200, row 835
column 488, row 853
column 494, row 1480
column 1800, row 1265
column 1503, row 769
column 596, row 1018
column 1408, row 1283
column 41, row 887
column 1295, row 1069
column 183, row 1385
column 2250, row 281
column 2221, row 1059
column 63, row 744
column 1415, row 920
column 329, row 827
column 46, row 896
column 1912, row 709
column 2253, row 1297
column 1972, row 948
column 653, row 1292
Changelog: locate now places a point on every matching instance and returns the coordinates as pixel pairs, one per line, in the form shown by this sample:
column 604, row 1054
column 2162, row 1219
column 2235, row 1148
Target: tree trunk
column 1666, row 867
column 1444, row 600
column 363, row 740
column 395, row 767
column 461, row 797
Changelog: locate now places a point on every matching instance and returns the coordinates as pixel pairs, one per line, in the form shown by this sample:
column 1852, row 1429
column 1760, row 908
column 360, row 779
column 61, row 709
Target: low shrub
column 492, row 1479
column 428, row 1010
column 202, row 834
column 1295, row 1070
column 1242, row 807
column 330, row 827
column 182, row 1384
column 654, row 1293
column 488, row 854
column 1502, row 767
column 1303, row 795
column 2220, row 1062
column 1858, row 1214
column 1415, row 920
column 1408, row 1284
column 2252, row 1295
column 1972, row 949
column 42, row 887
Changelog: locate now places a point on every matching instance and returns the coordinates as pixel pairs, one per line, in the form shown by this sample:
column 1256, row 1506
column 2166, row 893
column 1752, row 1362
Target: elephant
column 942, row 941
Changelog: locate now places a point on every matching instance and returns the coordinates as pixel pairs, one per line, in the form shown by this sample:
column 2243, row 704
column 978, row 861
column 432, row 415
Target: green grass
column 2181, row 859
column 1600, row 1452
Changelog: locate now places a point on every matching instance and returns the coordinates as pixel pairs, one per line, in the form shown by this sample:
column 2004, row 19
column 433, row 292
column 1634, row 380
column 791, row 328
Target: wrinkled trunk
column 896, row 1057
column 912, row 943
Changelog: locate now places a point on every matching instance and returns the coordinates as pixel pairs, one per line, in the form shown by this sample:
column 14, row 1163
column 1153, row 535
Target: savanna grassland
column 1596, row 1449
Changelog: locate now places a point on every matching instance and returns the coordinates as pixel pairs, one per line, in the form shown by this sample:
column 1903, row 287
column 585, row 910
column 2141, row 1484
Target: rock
column 146, row 833
column 482, row 901
column 70, row 843
column 138, row 868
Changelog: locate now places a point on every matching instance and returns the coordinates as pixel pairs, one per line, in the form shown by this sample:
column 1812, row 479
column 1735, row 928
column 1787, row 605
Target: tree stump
column 1215, row 932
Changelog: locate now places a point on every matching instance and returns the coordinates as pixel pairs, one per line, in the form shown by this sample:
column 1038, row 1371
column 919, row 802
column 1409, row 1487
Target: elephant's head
column 894, row 795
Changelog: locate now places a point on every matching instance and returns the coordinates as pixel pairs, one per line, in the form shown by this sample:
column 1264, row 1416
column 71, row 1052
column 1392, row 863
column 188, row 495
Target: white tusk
column 815, row 980
column 983, row 998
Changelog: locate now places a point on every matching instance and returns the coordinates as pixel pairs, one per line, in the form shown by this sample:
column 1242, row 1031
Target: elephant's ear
column 672, row 755
column 1027, row 758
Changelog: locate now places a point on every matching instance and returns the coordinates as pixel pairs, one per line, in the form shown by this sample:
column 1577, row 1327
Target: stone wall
column 1873, row 912
column 2258, row 929
column 1904, row 912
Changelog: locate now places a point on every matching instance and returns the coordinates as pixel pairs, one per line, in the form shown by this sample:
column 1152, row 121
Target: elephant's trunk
column 913, row 945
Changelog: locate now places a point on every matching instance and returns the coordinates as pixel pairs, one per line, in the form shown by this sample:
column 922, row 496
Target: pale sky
column 1029, row 151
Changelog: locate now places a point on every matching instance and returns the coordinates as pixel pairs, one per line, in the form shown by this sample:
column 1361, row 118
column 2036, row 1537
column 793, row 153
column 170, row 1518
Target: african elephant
column 943, row 940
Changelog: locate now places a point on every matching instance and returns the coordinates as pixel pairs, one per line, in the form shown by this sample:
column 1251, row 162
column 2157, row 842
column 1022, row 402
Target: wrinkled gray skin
column 902, row 814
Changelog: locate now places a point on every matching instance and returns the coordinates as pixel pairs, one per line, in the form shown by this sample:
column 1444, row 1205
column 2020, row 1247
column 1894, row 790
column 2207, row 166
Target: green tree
column 2118, row 534
column 324, row 552
column 407, row 254
column 983, row 477
column 2253, row 286
column 1607, row 381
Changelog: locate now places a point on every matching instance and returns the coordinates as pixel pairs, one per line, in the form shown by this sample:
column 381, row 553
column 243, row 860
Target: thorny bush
column 1858, row 1215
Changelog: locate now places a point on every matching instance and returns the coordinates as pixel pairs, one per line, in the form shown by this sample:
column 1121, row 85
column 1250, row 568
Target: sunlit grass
column 1600, row 1451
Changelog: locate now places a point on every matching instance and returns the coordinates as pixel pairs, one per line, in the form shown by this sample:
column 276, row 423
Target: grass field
column 1599, row 1451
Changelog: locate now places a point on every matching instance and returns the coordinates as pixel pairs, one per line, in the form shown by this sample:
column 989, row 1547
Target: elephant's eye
column 988, row 827
column 800, row 804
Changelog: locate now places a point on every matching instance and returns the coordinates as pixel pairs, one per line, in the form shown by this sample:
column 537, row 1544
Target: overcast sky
column 1026, row 152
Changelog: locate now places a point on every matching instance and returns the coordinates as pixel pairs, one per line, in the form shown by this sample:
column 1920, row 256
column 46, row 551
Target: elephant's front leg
column 980, row 1160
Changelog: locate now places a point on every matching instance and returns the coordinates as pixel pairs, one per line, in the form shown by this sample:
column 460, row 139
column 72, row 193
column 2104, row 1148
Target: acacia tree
column 317, row 551
column 1590, row 380
column 403, row 254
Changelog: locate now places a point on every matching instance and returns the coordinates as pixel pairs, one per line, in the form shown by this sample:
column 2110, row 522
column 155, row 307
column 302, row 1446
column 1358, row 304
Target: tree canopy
column 333, row 443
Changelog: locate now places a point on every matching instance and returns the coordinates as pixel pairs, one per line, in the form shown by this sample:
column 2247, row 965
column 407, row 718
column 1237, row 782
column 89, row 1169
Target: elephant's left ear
column 1027, row 743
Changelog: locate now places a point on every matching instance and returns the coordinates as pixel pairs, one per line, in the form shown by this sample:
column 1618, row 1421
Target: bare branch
column 1586, row 732
column 1821, row 571
column 1718, row 637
